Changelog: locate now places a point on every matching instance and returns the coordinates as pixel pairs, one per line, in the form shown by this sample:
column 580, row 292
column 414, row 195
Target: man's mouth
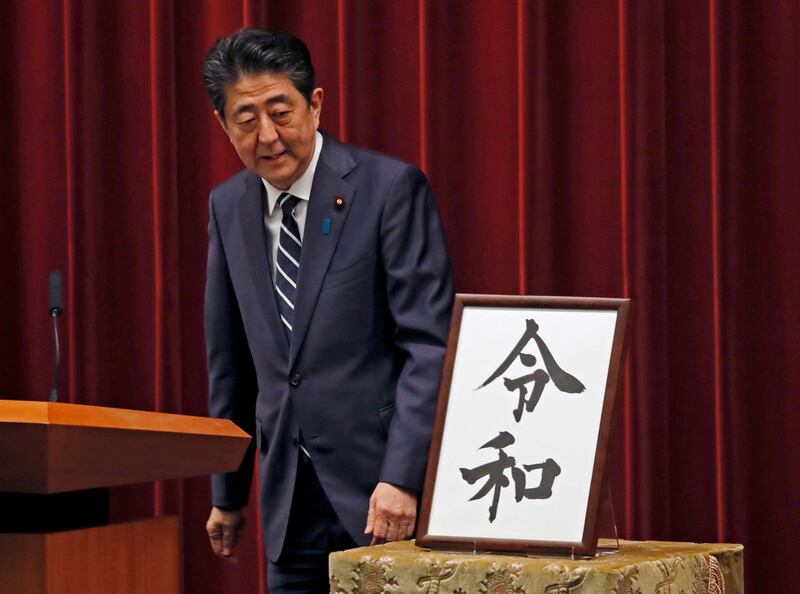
column 274, row 157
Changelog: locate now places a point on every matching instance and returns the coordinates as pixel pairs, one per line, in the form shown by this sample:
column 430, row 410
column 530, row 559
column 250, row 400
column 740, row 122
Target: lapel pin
column 339, row 201
column 326, row 227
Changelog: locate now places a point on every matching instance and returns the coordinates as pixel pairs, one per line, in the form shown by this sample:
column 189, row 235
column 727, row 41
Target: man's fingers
column 378, row 530
column 215, row 537
column 399, row 522
column 228, row 540
column 370, row 520
column 409, row 528
column 401, row 527
column 388, row 527
column 393, row 531
column 411, row 522
column 392, row 513
column 224, row 530
column 405, row 530
column 222, row 538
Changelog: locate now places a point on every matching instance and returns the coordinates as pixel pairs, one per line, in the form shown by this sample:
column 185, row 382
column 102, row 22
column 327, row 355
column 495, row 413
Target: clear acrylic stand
column 610, row 531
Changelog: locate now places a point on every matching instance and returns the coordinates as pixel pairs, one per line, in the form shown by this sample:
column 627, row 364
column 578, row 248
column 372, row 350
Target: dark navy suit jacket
column 361, row 375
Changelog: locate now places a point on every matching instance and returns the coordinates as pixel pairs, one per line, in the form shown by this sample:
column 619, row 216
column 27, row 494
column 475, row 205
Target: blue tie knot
column 288, row 202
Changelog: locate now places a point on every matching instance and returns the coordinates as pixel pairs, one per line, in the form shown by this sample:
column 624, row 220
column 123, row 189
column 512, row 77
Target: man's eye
column 247, row 123
column 278, row 115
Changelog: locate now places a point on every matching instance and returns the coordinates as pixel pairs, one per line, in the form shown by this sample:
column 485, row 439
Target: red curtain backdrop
column 648, row 149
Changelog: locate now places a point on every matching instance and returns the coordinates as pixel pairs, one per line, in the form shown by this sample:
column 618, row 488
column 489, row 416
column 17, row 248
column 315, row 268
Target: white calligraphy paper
column 562, row 427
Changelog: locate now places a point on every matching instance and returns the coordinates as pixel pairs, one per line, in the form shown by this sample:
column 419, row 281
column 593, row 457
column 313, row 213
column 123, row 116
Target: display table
column 648, row 567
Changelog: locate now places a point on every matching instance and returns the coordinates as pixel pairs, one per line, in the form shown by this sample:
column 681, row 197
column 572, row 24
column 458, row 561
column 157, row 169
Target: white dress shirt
column 302, row 189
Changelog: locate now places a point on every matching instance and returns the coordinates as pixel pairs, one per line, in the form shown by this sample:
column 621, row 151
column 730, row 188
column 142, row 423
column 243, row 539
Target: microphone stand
column 55, row 313
column 56, row 309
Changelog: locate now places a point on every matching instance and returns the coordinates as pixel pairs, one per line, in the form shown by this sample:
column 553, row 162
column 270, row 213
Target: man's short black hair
column 257, row 51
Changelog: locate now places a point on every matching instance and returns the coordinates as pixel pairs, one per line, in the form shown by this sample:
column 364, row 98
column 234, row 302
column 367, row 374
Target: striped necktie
column 287, row 264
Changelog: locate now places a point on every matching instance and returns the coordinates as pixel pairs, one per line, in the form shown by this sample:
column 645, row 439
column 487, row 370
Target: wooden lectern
column 56, row 462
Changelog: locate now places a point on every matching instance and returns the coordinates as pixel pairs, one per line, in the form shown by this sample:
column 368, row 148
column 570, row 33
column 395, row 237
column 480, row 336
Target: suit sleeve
column 419, row 283
column 231, row 375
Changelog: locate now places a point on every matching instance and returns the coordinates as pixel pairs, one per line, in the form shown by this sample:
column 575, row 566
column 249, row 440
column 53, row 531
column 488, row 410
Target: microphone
column 56, row 293
column 56, row 309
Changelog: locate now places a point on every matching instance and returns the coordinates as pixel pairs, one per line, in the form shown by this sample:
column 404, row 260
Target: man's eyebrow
column 242, row 108
column 282, row 98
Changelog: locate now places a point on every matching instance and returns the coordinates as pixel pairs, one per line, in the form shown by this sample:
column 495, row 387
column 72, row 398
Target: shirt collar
column 302, row 187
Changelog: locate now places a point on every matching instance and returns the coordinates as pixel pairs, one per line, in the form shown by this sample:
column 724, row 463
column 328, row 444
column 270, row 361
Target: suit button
column 296, row 379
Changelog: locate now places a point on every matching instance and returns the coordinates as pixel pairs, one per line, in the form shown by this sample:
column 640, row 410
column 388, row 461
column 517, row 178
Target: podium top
column 51, row 447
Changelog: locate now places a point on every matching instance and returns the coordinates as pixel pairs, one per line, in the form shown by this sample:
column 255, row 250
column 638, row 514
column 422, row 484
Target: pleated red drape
column 614, row 148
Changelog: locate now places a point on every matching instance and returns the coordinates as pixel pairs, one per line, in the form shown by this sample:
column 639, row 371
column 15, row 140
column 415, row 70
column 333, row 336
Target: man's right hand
column 225, row 528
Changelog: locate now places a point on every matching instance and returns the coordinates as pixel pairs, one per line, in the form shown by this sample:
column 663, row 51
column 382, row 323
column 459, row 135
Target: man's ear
column 221, row 121
column 316, row 104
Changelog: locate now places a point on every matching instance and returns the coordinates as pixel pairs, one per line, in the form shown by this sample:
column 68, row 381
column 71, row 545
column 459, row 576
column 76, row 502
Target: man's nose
column 267, row 132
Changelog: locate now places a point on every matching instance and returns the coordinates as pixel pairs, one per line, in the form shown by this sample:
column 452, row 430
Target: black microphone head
column 56, row 293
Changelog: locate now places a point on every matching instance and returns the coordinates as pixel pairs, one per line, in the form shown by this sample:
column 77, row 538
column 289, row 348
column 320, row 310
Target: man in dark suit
column 328, row 304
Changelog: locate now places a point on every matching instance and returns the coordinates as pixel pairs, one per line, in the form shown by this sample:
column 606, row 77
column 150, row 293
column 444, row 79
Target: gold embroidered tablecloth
column 648, row 567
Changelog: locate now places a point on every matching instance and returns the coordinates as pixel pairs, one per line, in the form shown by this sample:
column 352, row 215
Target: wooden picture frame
column 505, row 418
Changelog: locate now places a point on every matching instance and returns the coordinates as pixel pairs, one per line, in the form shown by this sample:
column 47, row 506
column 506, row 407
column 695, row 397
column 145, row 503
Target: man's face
column 271, row 126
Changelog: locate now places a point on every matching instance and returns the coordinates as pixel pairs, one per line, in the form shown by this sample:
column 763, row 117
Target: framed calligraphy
column 519, row 447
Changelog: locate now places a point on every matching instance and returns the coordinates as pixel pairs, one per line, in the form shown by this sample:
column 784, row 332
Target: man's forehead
column 257, row 85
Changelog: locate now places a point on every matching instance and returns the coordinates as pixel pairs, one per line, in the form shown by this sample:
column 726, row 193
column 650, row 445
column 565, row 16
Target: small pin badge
column 339, row 201
column 326, row 227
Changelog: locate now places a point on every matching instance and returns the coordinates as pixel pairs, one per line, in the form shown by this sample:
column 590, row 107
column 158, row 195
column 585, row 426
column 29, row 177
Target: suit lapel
column 257, row 245
column 318, row 247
